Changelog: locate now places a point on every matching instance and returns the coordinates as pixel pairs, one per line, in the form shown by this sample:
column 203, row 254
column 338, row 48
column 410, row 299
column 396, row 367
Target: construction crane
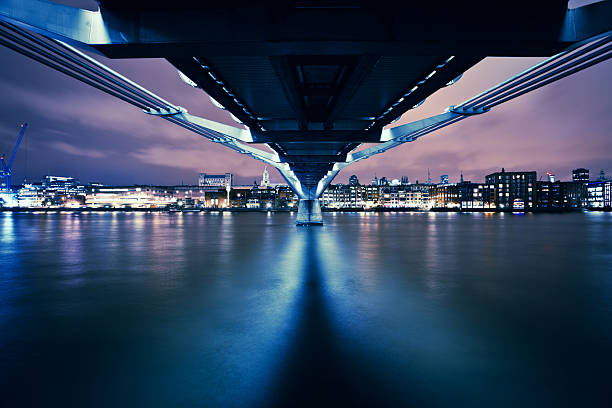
column 6, row 169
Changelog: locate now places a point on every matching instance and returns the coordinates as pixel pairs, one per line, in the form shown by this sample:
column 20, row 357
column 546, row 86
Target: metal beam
column 287, row 76
column 65, row 23
column 312, row 158
column 358, row 72
column 319, row 136
column 158, row 29
column 119, row 30
column 586, row 22
column 431, row 81
column 198, row 70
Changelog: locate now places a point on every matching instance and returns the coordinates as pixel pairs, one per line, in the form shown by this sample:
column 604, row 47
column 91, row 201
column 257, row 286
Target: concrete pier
column 309, row 213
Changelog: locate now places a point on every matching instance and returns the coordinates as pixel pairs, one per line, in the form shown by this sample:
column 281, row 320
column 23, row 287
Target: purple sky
column 79, row 131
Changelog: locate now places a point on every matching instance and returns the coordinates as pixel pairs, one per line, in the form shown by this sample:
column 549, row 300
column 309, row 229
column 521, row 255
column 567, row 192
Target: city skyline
column 374, row 179
column 500, row 191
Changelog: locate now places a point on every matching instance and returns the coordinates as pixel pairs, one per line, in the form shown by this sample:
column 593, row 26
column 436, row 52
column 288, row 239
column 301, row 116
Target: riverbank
column 146, row 210
column 286, row 210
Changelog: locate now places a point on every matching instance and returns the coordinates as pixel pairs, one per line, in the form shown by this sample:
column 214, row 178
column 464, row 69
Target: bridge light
column 235, row 119
column 454, row 80
column 419, row 104
column 187, row 80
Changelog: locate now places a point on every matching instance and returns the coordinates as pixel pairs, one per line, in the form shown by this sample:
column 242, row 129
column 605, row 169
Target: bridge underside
column 313, row 80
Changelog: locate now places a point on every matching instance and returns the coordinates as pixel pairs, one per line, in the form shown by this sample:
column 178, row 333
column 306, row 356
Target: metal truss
column 574, row 59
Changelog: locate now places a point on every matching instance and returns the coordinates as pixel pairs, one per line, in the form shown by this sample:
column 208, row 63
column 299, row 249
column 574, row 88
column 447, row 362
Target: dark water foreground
column 412, row 309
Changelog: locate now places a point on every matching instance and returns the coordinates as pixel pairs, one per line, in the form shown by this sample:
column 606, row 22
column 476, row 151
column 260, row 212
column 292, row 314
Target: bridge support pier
column 309, row 213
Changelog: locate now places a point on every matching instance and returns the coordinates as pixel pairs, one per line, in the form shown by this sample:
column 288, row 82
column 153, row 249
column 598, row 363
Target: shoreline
column 288, row 210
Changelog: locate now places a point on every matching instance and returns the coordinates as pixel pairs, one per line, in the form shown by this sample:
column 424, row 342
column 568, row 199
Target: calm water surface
column 220, row 310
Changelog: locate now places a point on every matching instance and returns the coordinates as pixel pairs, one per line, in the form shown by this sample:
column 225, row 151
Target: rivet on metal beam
column 170, row 111
column 467, row 111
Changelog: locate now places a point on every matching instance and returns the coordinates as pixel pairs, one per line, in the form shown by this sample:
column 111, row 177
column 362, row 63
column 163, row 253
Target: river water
column 246, row 309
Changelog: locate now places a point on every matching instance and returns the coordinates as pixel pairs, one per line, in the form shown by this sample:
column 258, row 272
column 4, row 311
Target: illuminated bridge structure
column 312, row 80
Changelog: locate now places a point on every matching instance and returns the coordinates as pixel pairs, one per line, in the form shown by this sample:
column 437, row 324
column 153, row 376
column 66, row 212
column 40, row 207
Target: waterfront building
column 214, row 198
column 63, row 191
column 408, row 196
column 285, row 197
column 580, row 175
column 262, row 197
column 344, row 196
column 419, row 196
column 372, row 196
column 59, row 183
column 561, row 194
column 600, row 194
column 390, row 197
column 405, row 181
column 30, row 195
column 513, row 185
column 445, row 195
column 52, row 191
column 328, row 197
column 191, row 196
column 575, row 194
column 549, row 194
column 214, row 181
column 130, row 197
column 239, row 196
column 8, row 199
column 355, row 196
column 476, row 196
column 252, row 203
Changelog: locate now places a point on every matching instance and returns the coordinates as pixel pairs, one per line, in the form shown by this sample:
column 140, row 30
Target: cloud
column 194, row 159
column 76, row 151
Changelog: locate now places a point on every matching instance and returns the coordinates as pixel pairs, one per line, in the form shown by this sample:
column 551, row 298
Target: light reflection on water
column 245, row 309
